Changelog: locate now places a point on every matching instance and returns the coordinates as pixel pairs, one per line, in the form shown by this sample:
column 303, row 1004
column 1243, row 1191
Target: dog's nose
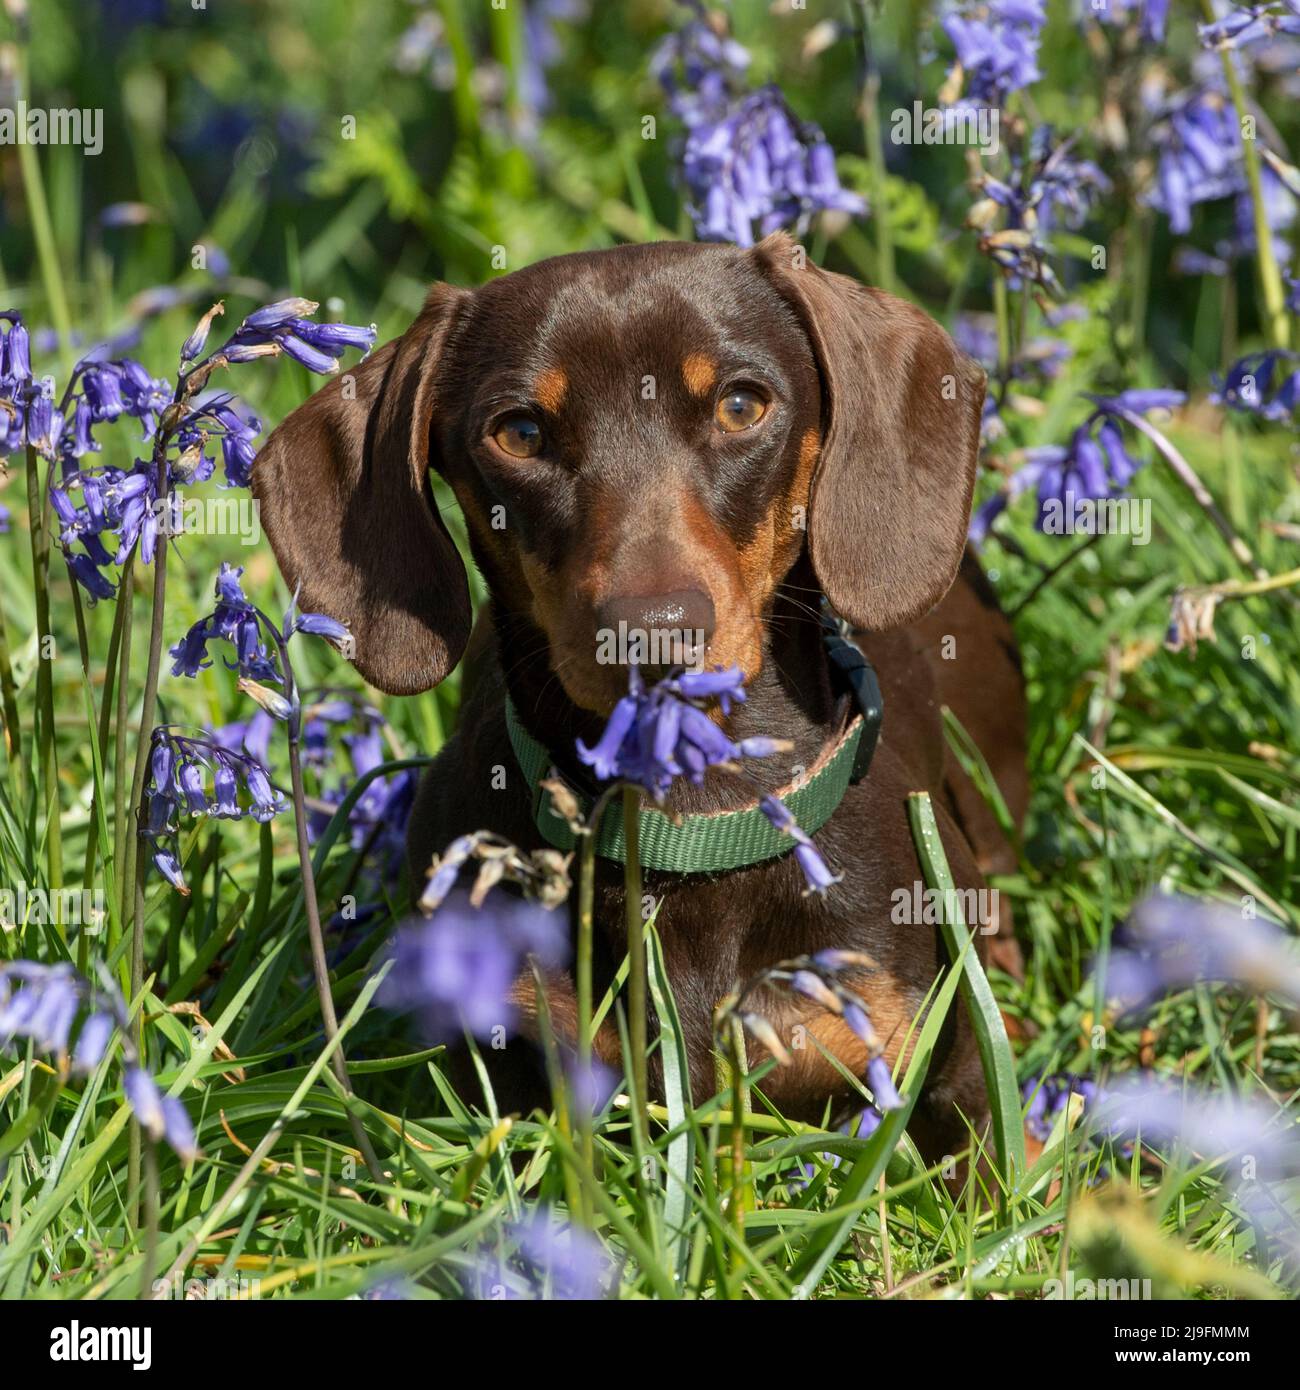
column 659, row 630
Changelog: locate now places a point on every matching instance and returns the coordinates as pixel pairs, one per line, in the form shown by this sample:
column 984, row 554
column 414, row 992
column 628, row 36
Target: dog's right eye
column 520, row 436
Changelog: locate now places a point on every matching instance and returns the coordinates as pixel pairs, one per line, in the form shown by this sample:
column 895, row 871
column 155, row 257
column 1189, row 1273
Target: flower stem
column 636, row 961
column 873, row 139
column 130, row 899
column 1242, row 588
column 120, row 846
column 1002, row 311
column 47, row 252
column 134, row 865
column 1187, row 475
column 1276, row 324
column 47, row 752
column 112, row 662
column 582, row 970
column 739, row 1196
column 9, row 704
column 316, row 936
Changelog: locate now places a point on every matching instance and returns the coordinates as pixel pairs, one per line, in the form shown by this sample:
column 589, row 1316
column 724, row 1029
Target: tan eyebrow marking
column 809, row 447
column 698, row 372
column 550, row 388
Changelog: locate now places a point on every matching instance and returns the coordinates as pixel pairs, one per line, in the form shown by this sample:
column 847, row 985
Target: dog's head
column 642, row 441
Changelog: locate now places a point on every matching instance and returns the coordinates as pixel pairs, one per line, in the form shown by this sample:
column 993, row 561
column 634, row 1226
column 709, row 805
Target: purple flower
column 815, row 871
column 658, row 734
column 550, row 1261
column 1198, row 151
column 866, row 1123
column 748, row 162
column 443, row 879
column 1242, row 26
column 39, row 1002
column 997, row 46
column 1266, row 384
column 1047, row 1096
column 92, row 1041
column 285, row 327
column 1153, row 15
column 318, row 625
column 1096, row 464
column 1171, row 943
column 882, row 1085
column 161, row 1117
column 233, row 620
column 1209, row 1125
column 179, row 768
column 455, row 970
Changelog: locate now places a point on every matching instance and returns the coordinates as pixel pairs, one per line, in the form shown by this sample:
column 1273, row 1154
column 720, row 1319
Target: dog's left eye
column 740, row 409
column 519, row 436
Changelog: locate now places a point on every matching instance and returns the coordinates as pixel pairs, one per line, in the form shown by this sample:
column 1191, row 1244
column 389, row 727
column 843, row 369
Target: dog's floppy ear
column 901, row 409
column 343, row 492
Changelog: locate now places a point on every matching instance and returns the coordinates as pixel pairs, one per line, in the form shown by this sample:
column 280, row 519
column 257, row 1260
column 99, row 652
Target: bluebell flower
column 865, row 1123
column 39, row 1002
column 1265, row 383
column 700, row 68
column 161, row 1117
column 542, row 48
column 180, row 766
column 234, row 620
column 1152, row 15
column 92, row 1041
column 423, row 47
column 881, row 1081
column 1096, row 463
column 454, row 971
column 749, row 164
column 1045, row 1097
column 1047, row 185
column 1197, row 145
column 285, row 327
column 195, row 343
column 1165, row 1113
column 1244, row 25
column 252, row 736
column 816, row 874
column 317, row 625
column 545, row 1259
column 1171, row 943
column 655, row 735
column 660, row 733
column 997, row 47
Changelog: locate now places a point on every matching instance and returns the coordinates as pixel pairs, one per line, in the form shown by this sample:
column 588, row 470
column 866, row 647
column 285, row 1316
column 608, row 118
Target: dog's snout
column 675, row 625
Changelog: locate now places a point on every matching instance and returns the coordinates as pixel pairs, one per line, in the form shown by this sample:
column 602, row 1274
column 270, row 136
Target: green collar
column 714, row 843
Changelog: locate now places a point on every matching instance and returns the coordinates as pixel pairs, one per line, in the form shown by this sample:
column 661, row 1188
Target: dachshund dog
column 691, row 438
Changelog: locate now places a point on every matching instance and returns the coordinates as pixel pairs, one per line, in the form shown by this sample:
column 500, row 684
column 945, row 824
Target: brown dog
column 681, row 437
